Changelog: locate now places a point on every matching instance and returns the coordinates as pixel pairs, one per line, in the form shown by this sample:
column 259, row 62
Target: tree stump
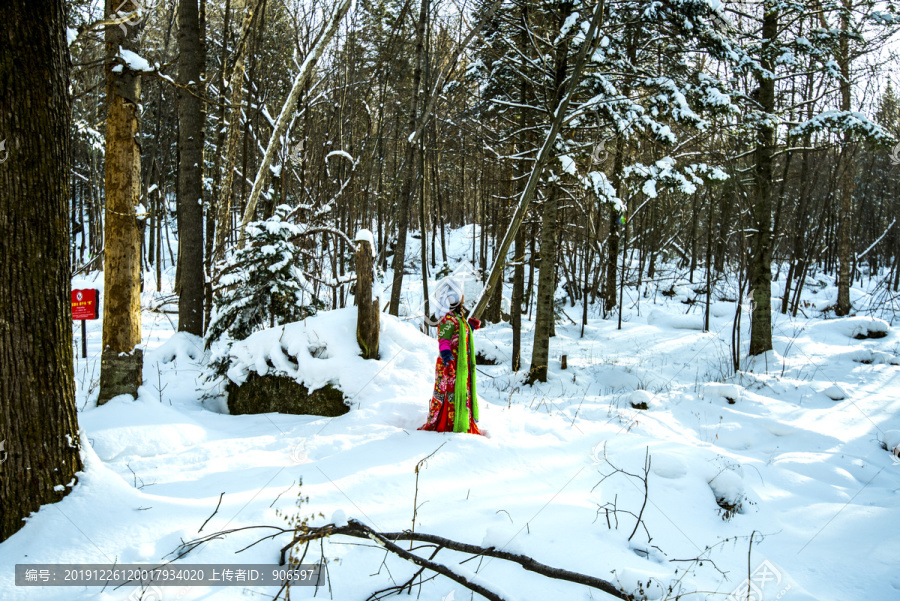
column 120, row 373
column 367, row 322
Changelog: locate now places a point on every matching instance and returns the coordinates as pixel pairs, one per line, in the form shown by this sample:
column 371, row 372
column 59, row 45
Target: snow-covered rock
column 835, row 393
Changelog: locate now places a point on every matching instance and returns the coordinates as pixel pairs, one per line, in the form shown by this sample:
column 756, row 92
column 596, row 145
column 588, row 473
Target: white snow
column 339, row 518
column 340, row 153
column 365, row 235
column 835, row 393
column 568, row 164
column 815, row 479
column 134, row 61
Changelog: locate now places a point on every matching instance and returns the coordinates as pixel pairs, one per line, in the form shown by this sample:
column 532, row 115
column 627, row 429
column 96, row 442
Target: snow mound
column 871, row 357
column 728, row 487
column 669, row 466
column 641, row 398
column 502, row 538
column 677, row 322
column 322, row 349
column 868, row 327
column 835, row 393
column 144, row 428
column 314, row 352
column 892, row 439
column 859, row 327
column 643, row 583
column 721, row 309
column 729, row 392
column 181, row 347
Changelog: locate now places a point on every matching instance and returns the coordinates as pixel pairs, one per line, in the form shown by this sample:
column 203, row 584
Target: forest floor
column 788, row 452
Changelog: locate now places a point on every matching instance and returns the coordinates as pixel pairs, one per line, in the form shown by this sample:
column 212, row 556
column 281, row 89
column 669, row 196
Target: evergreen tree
column 263, row 284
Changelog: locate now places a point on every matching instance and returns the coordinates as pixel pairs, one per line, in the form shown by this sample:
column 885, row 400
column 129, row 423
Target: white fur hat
column 448, row 292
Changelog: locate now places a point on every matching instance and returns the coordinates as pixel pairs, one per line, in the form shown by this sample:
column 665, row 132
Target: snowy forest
column 475, row 299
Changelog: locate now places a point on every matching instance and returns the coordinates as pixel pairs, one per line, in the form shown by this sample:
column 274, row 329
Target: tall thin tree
column 122, row 361
column 760, row 268
column 191, row 59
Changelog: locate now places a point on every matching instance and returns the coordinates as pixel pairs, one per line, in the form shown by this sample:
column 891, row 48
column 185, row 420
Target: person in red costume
column 454, row 402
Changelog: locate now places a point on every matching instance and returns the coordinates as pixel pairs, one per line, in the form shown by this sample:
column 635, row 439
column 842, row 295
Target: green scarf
column 465, row 358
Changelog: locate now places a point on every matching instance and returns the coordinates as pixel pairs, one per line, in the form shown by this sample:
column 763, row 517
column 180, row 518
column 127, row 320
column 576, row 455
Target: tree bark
column 760, row 267
column 121, row 362
column 38, row 425
column 367, row 322
column 190, row 172
column 543, row 322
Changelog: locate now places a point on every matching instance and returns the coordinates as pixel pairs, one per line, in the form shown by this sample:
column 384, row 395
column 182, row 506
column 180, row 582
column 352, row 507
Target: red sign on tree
column 84, row 304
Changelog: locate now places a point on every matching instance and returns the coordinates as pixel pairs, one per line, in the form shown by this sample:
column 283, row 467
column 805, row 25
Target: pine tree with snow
column 263, row 285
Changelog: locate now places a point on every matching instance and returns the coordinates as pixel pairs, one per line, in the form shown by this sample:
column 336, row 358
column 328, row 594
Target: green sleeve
column 446, row 329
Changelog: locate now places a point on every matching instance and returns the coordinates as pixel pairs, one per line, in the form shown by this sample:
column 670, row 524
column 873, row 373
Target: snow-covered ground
column 805, row 476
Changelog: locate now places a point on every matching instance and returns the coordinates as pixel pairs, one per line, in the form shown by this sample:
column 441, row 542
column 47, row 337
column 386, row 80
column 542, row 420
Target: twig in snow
column 213, row 513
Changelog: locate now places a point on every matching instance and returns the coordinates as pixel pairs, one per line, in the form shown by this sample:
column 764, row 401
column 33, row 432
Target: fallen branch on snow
column 386, row 541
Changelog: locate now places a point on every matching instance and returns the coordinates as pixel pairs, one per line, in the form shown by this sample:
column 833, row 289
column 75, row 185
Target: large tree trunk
column 760, row 267
column 191, row 60
column 543, row 323
column 121, row 362
column 38, row 425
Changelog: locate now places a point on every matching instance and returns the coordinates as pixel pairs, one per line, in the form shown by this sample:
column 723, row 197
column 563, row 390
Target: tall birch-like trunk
column 121, row 361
